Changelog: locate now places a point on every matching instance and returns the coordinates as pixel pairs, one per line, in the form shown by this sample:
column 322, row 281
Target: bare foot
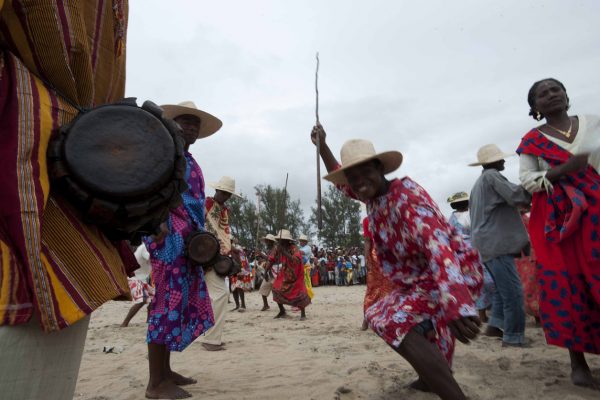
column 583, row 377
column 280, row 315
column 419, row 385
column 124, row 325
column 181, row 380
column 364, row 326
column 235, row 308
column 167, row 390
column 265, row 308
column 303, row 318
column 492, row 331
column 242, row 309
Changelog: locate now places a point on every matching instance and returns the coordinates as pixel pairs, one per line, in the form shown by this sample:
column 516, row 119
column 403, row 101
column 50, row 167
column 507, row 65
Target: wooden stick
column 319, row 208
column 282, row 217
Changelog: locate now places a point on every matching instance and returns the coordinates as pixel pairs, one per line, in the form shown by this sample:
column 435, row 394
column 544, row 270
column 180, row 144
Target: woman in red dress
column 559, row 164
column 289, row 287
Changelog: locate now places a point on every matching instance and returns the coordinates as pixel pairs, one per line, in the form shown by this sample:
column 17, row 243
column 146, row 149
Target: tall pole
column 319, row 208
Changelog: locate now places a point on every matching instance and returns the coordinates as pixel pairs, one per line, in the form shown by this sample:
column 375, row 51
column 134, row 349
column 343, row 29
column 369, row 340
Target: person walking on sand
column 289, row 286
column 217, row 222
column 559, row 164
column 499, row 235
column 180, row 310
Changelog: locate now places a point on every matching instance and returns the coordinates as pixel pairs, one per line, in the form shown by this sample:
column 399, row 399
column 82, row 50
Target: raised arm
column 326, row 155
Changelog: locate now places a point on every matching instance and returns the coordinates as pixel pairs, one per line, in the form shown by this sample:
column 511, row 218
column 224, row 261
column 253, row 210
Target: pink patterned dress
column 180, row 310
column 434, row 274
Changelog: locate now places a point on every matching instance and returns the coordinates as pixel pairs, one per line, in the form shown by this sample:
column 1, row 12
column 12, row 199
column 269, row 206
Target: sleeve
column 532, row 177
column 431, row 233
column 514, row 195
column 366, row 232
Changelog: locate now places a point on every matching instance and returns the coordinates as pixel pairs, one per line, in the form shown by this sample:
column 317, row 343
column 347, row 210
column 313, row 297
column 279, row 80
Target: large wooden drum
column 202, row 247
column 123, row 166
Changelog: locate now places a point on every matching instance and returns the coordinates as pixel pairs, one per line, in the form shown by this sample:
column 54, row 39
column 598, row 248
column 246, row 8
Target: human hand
column 576, row 163
column 465, row 328
column 318, row 131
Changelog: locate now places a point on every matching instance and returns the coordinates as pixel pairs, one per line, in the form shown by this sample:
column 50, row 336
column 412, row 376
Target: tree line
column 271, row 208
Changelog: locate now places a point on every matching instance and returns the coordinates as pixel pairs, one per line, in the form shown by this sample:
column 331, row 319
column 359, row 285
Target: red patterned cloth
column 378, row 286
column 289, row 287
column 526, row 266
column 434, row 274
column 564, row 231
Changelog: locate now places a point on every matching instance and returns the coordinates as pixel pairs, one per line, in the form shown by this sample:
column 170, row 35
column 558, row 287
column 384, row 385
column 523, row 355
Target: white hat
column 358, row 151
column 284, row 234
column 303, row 237
column 225, row 184
column 488, row 154
column 209, row 124
column 269, row 237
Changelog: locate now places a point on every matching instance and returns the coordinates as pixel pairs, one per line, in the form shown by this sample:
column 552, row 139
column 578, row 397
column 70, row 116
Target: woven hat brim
column 391, row 161
column 216, row 186
column 492, row 160
column 209, row 125
column 465, row 198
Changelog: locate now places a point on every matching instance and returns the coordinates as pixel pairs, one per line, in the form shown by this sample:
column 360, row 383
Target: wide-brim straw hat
column 303, row 237
column 458, row 197
column 488, row 154
column 209, row 124
column 225, row 184
column 269, row 237
column 284, row 234
column 358, row 151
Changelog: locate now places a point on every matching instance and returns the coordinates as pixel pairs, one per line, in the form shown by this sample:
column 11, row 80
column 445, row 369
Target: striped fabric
column 50, row 262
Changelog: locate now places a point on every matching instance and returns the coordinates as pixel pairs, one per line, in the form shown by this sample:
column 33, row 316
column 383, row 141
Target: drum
column 224, row 266
column 123, row 167
column 202, row 248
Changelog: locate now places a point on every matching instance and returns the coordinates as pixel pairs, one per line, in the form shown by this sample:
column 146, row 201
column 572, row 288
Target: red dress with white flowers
column 434, row 274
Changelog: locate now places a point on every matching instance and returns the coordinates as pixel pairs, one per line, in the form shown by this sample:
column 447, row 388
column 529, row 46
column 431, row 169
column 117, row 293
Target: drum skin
column 122, row 166
column 202, row 247
column 135, row 150
column 224, row 266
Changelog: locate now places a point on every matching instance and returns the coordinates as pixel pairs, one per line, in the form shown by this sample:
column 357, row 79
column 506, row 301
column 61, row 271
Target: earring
column 538, row 116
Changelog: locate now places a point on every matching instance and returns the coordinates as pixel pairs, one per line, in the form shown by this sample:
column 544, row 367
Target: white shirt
column 143, row 258
column 532, row 169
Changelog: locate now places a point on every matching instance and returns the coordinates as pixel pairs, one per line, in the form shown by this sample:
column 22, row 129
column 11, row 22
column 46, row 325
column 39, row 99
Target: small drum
column 202, row 247
column 224, row 266
column 123, row 167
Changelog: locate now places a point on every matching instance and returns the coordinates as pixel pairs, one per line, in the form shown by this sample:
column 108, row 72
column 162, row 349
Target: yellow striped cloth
column 50, row 262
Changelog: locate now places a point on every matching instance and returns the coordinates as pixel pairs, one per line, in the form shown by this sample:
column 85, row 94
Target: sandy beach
column 325, row 357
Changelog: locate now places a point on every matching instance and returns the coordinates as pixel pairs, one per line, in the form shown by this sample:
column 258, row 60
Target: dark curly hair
column 531, row 96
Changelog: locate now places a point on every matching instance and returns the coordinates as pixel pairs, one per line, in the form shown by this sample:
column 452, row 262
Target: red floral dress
column 435, row 275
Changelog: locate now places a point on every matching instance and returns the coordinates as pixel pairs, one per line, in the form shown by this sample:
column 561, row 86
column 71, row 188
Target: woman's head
column 548, row 96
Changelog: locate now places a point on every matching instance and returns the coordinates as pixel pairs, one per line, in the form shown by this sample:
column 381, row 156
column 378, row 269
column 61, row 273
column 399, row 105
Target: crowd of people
column 429, row 280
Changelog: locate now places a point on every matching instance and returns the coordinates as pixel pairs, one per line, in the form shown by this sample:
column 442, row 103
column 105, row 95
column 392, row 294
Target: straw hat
column 269, row 237
column 358, row 151
column 303, row 237
column 488, row 154
column 209, row 123
column 458, row 197
column 225, row 184
column 284, row 234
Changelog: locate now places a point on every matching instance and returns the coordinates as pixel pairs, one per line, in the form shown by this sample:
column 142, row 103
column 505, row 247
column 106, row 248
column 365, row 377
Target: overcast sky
column 433, row 79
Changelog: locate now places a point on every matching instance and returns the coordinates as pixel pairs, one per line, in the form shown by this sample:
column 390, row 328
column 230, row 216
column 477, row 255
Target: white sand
column 324, row 357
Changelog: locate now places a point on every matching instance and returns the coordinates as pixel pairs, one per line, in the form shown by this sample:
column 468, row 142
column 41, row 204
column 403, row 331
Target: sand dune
column 324, row 357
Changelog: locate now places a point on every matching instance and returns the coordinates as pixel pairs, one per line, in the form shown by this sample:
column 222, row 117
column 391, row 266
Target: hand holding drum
column 203, row 249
